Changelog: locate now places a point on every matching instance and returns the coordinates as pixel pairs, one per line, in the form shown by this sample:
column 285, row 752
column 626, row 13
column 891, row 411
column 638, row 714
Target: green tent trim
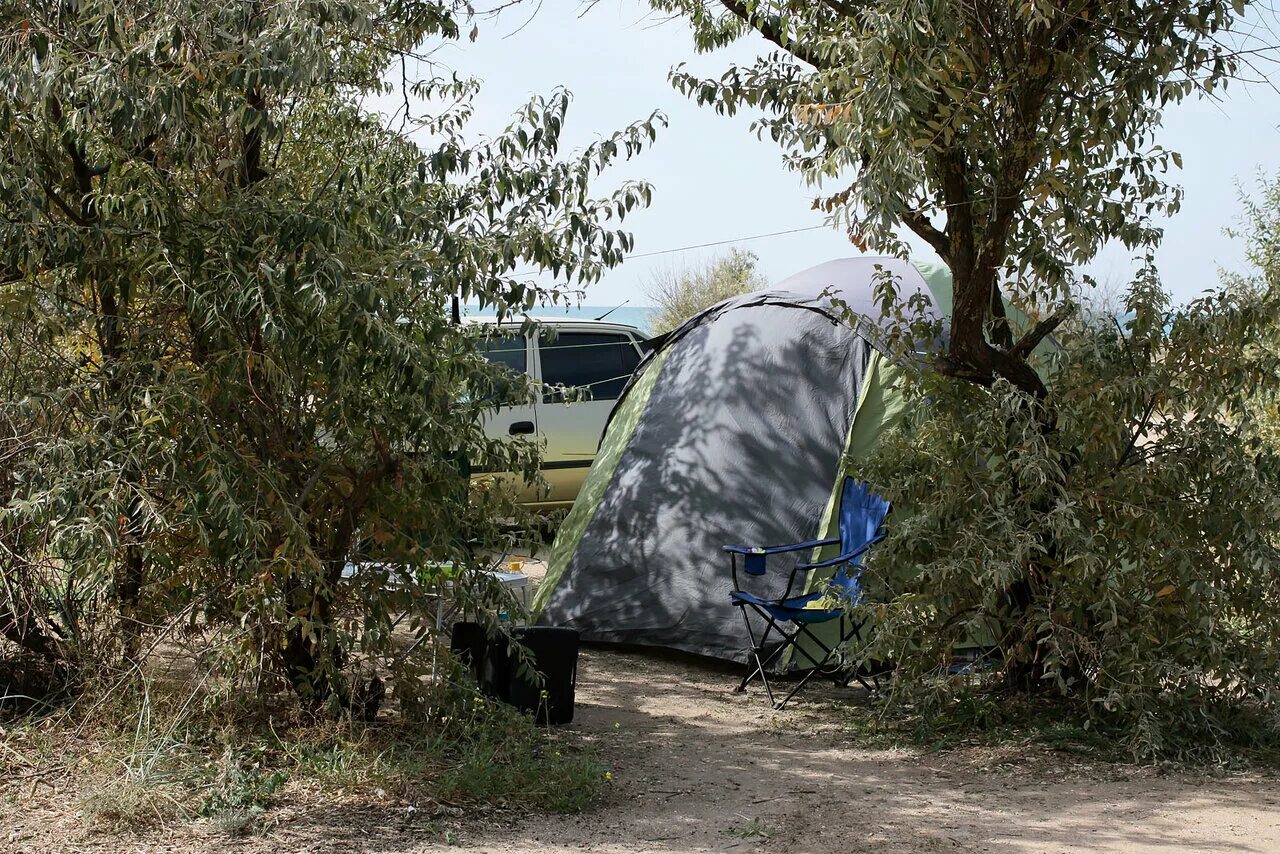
column 880, row 408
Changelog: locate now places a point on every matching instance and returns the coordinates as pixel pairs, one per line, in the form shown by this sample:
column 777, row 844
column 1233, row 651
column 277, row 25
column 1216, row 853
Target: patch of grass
column 122, row 803
column 243, row 791
column 532, row 770
column 484, row 754
column 977, row 719
column 238, row 821
column 144, row 757
column 973, row 717
column 123, row 788
column 132, row 784
column 755, row 828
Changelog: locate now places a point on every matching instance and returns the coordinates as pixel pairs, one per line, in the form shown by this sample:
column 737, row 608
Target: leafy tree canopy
column 1013, row 137
column 227, row 360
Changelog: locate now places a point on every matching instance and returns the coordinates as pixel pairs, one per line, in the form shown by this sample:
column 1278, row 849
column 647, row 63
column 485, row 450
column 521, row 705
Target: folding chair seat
column 861, row 525
column 794, row 609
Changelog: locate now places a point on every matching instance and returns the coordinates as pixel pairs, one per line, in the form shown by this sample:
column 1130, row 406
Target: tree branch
column 251, row 144
column 1035, row 335
column 771, row 27
column 71, row 213
column 145, row 150
column 22, row 630
column 927, row 231
column 951, row 367
column 841, row 8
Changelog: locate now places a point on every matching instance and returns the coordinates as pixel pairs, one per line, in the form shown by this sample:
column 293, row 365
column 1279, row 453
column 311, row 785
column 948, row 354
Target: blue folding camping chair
column 861, row 520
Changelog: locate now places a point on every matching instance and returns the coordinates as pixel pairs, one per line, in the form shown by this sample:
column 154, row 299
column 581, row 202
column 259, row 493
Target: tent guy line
column 725, row 242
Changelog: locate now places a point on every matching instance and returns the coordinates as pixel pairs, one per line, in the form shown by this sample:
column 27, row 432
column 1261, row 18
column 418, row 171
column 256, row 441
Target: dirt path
column 698, row 768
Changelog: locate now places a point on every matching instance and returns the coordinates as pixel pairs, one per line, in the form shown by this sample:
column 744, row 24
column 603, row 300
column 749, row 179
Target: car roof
column 542, row 320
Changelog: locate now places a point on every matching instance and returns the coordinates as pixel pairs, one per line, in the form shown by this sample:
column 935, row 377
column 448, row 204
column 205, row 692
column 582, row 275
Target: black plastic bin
column 553, row 653
column 487, row 660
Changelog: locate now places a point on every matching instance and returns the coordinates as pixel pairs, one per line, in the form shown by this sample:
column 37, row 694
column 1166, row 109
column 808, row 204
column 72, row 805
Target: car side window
column 506, row 350
column 511, row 352
column 598, row 361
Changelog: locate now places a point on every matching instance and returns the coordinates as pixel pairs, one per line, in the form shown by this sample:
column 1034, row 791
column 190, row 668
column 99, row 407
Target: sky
column 713, row 181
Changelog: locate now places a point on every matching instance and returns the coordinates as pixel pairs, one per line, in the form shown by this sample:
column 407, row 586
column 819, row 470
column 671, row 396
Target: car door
column 600, row 361
column 513, row 350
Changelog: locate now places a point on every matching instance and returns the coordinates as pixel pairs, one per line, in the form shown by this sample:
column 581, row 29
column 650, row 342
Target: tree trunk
column 25, row 631
column 312, row 658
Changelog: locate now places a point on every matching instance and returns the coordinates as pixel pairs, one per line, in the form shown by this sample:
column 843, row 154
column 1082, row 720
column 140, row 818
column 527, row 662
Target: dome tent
column 733, row 429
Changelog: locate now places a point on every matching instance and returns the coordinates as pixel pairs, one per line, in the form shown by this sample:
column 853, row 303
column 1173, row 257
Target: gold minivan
column 595, row 355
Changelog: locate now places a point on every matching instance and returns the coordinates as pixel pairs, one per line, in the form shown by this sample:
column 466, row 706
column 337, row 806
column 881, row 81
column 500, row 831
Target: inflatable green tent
column 733, row 429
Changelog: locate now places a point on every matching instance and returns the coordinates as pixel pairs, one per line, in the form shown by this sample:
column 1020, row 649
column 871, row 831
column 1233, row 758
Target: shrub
column 226, row 358
column 1115, row 546
column 682, row 293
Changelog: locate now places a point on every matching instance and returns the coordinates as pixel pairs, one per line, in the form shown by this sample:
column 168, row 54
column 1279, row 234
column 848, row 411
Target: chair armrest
column 774, row 550
column 845, row 558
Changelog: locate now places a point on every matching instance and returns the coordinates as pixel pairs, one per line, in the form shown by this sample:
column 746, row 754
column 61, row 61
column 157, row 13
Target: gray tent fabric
column 740, row 442
column 851, row 281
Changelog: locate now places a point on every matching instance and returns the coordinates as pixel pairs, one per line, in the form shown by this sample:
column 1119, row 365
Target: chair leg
column 827, row 654
column 848, row 630
column 796, row 690
column 762, row 665
column 788, row 643
column 757, row 647
column 755, row 652
column 818, row 664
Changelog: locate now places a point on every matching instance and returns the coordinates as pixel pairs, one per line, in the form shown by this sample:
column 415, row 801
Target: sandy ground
column 696, row 767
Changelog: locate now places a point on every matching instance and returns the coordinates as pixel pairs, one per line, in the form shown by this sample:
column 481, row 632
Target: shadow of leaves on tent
column 740, row 442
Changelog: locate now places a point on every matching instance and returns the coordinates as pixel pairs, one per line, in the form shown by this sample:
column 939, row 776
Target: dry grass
column 167, row 750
